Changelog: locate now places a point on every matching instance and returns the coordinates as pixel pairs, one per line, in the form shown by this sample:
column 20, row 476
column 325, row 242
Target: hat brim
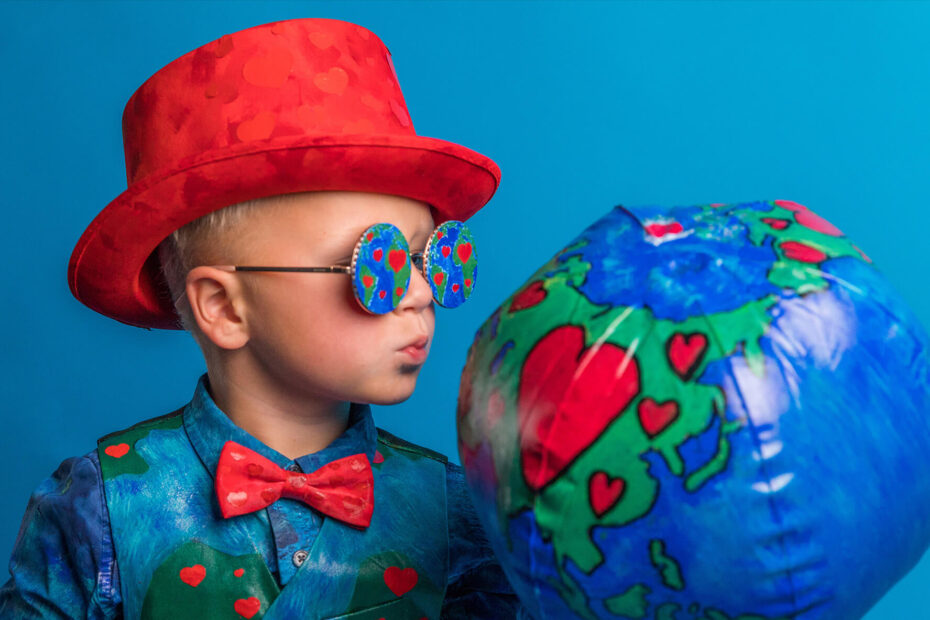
column 114, row 270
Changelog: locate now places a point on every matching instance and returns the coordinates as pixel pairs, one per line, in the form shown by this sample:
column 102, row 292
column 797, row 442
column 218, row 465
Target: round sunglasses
column 381, row 266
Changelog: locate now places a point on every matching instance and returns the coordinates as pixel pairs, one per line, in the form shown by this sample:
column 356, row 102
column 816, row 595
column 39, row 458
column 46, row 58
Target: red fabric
column 293, row 106
column 343, row 489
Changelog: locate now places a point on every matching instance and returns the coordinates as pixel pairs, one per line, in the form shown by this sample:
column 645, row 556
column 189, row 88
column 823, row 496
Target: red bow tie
column 246, row 481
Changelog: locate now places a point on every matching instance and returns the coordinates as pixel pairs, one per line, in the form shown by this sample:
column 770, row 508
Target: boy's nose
column 419, row 294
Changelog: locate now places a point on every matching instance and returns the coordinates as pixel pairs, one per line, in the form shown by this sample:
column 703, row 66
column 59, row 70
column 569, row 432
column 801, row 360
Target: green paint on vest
column 197, row 581
column 117, row 450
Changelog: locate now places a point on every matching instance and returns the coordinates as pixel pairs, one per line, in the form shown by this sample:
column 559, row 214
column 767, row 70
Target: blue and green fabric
column 151, row 486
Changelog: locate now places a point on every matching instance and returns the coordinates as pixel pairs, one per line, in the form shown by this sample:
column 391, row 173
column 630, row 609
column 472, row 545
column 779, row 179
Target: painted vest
column 178, row 558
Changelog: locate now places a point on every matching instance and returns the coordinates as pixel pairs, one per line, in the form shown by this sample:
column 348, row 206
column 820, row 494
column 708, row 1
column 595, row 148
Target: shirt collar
column 209, row 429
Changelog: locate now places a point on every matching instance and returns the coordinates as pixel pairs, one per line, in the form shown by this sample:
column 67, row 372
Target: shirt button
column 300, row 556
column 293, row 467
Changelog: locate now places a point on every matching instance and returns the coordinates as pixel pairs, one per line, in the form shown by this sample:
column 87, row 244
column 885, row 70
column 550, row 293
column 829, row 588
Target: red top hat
column 292, row 106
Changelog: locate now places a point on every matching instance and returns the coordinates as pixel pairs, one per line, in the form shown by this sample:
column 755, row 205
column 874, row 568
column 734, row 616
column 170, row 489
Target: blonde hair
column 198, row 243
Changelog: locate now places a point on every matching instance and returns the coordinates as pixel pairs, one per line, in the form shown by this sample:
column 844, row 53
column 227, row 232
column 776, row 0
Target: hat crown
column 245, row 90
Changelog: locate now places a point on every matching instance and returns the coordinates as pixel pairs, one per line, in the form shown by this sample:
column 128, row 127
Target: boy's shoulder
column 168, row 420
column 397, row 443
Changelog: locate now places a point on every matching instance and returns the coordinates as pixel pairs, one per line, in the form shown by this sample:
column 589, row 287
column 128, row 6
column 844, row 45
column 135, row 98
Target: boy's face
column 307, row 333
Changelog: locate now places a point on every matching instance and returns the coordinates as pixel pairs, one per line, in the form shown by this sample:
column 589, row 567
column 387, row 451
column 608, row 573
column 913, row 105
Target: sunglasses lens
column 381, row 268
column 451, row 264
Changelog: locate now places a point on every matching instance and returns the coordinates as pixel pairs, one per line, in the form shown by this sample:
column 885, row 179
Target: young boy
column 278, row 202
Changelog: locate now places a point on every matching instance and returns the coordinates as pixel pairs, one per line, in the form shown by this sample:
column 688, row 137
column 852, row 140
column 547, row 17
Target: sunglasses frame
column 419, row 260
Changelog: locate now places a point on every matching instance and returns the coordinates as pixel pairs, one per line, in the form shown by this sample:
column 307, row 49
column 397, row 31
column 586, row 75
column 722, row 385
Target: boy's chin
column 397, row 395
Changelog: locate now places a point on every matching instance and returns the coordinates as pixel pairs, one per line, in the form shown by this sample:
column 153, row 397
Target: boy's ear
column 218, row 306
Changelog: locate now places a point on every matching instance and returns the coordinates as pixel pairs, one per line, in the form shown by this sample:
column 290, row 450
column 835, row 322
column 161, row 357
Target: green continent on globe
column 550, row 347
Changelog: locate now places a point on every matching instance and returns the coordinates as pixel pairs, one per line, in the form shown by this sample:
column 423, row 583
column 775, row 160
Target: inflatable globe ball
column 713, row 412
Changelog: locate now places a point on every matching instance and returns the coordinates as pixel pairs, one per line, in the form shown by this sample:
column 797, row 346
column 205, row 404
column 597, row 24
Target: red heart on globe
column 790, row 205
column 117, row 451
column 776, row 223
column 568, row 395
column 247, row 607
column 367, row 281
column 604, row 492
column 528, row 297
column 193, row 575
column 446, row 250
column 464, row 252
column 397, row 259
column 660, row 229
column 684, row 352
column 813, row 221
column 377, row 254
column 802, row 252
column 654, row 417
column 400, row 581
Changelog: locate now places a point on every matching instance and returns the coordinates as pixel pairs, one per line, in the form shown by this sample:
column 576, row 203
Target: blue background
column 583, row 106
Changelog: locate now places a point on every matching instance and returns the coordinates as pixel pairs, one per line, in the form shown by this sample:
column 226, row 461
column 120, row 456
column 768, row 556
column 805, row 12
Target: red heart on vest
column 654, row 417
column 239, row 572
column 568, row 396
column 397, row 259
column 333, row 81
column 269, row 69
column 528, row 297
column 684, row 351
column 400, row 581
column 604, row 492
column 193, row 575
column 802, row 252
column 464, row 252
column 247, row 607
column 117, row 451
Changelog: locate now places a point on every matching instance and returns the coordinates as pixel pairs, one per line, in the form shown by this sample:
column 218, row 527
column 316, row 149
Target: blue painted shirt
column 63, row 562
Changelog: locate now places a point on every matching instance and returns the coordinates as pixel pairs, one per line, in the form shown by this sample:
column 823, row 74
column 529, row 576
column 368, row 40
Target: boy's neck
column 292, row 426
